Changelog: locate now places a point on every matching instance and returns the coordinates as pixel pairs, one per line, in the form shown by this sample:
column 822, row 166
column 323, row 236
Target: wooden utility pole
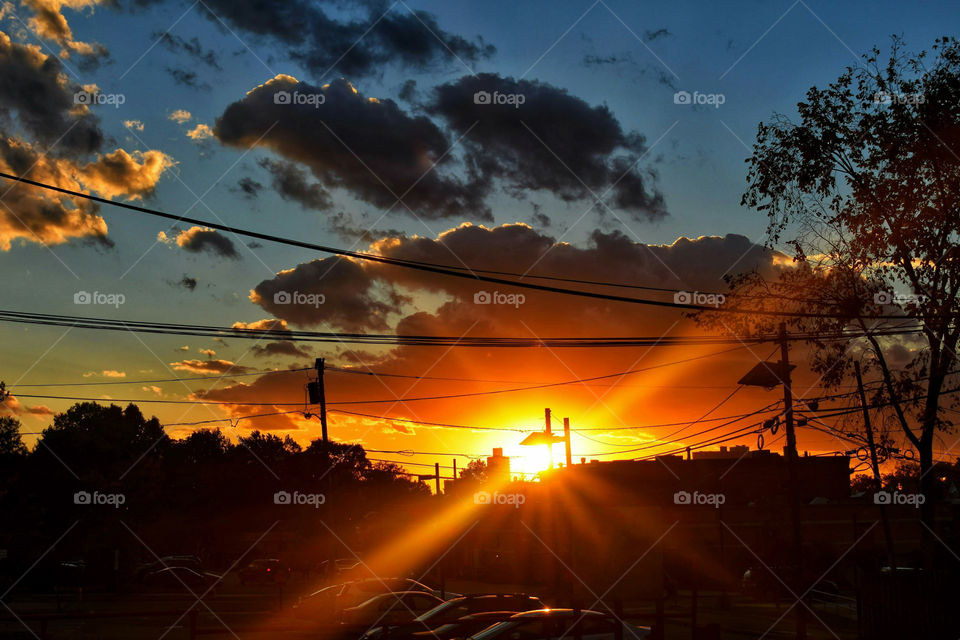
column 566, row 441
column 794, row 497
column 323, row 398
column 549, row 433
column 875, row 464
column 436, row 468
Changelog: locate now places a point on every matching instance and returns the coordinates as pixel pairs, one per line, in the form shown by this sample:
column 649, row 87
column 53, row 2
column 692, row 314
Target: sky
column 557, row 137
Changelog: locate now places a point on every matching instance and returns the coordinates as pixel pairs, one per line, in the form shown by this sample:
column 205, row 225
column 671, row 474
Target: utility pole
column 436, row 468
column 549, row 434
column 794, row 497
column 566, row 441
column 323, row 399
column 888, row 537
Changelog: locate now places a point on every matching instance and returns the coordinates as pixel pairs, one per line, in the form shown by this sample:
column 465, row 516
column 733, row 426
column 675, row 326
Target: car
column 265, row 571
column 456, row 608
column 188, row 561
column 465, row 627
column 176, row 577
column 554, row 624
column 357, row 591
column 389, row 608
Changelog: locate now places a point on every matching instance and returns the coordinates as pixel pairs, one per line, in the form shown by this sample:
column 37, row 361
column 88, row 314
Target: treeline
column 124, row 490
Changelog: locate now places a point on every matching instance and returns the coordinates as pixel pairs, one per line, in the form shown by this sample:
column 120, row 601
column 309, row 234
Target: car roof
column 492, row 596
column 483, row 615
column 558, row 613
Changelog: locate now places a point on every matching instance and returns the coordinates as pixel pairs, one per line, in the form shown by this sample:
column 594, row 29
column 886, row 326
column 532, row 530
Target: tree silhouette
column 865, row 188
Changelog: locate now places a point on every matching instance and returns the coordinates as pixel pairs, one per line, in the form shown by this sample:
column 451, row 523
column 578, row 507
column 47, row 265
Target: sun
column 529, row 461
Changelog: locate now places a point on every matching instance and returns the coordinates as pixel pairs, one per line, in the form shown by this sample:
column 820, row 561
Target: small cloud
column 184, row 348
column 200, row 132
column 209, row 366
column 136, row 125
column 207, row 352
column 107, row 373
column 153, row 389
column 200, row 239
column 180, row 116
column 188, row 283
column 655, row 34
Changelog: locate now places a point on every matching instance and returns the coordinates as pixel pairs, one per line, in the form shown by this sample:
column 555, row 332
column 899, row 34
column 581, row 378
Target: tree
column 475, row 471
column 11, row 442
column 865, row 188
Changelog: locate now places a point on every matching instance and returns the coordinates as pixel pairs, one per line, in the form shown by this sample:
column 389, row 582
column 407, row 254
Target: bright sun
column 532, row 460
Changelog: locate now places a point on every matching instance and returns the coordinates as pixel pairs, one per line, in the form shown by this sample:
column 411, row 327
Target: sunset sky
column 596, row 173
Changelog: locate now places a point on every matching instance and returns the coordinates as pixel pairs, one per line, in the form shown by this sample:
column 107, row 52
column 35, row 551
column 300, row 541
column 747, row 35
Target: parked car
column 465, row 626
column 456, row 608
column 554, row 624
column 389, row 608
column 176, row 577
column 357, row 591
column 265, row 571
column 188, row 561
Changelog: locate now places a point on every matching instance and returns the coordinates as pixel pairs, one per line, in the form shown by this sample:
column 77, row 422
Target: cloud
column 153, row 389
column 209, row 366
column 191, row 47
column 369, row 147
column 552, row 142
column 136, row 125
column 356, row 39
column 48, row 22
column 335, row 291
column 656, row 34
column 203, row 239
column 187, row 78
column 277, row 348
column 36, row 94
column 188, row 283
column 180, row 116
column 108, row 373
column 207, row 352
column 17, row 408
column 200, row 132
column 248, row 188
column 38, row 216
column 291, row 183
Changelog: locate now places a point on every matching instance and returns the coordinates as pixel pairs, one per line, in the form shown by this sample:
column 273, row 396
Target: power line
column 424, row 266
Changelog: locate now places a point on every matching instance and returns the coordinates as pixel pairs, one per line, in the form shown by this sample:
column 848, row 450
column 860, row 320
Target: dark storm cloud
column 199, row 239
column 374, row 35
column 335, row 291
column 291, row 183
column 531, row 136
column 188, row 283
column 33, row 86
column 349, row 228
column 280, row 348
column 369, row 147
